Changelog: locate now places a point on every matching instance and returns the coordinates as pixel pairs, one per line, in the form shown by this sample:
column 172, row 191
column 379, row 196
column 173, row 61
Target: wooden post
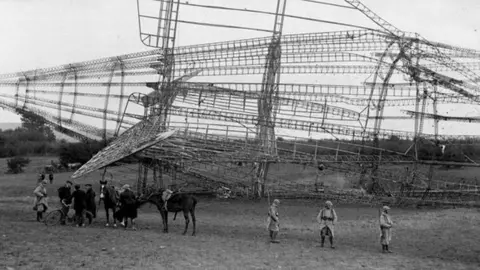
column 155, row 176
column 336, row 153
column 139, row 178
column 206, row 135
column 174, row 175
column 294, row 147
column 145, row 176
column 160, row 174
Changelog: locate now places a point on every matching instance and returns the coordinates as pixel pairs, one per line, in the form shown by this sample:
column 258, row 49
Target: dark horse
column 178, row 202
column 110, row 199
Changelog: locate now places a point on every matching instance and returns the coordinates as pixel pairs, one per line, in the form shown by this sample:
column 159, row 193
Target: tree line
column 35, row 138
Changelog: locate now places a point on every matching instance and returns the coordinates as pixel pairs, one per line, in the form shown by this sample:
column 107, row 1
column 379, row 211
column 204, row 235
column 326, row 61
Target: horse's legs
column 192, row 213
column 162, row 214
column 187, row 220
column 114, row 209
column 166, row 222
column 108, row 219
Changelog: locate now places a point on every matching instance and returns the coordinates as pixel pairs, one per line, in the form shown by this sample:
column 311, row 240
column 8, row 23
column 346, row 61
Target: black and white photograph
column 240, row 134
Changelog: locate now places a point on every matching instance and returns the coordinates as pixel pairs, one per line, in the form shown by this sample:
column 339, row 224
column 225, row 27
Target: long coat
column 327, row 218
column 65, row 193
column 385, row 228
column 273, row 221
column 90, row 200
column 128, row 201
column 40, row 193
column 79, row 200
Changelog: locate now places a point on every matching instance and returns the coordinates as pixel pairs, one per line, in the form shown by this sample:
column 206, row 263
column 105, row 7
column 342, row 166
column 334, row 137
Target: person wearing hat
column 40, row 177
column 90, row 202
column 273, row 221
column 327, row 217
column 79, row 204
column 129, row 206
column 65, row 195
column 40, row 204
column 386, row 229
column 50, row 178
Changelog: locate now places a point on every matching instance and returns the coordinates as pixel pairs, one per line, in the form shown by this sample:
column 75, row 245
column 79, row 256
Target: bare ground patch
column 231, row 235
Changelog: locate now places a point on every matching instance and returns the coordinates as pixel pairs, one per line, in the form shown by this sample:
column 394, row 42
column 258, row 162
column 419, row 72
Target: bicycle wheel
column 53, row 218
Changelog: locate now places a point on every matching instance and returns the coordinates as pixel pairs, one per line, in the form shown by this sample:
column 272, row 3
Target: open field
column 231, row 235
column 279, row 174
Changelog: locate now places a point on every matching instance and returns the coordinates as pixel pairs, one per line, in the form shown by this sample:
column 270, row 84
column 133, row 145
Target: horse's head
column 108, row 191
column 103, row 189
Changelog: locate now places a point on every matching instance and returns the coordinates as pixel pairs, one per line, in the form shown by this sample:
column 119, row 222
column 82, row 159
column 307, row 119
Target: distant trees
column 33, row 138
column 15, row 165
column 35, row 125
column 78, row 152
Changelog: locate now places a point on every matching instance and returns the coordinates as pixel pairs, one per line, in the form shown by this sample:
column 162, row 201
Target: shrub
column 78, row 152
column 16, row 164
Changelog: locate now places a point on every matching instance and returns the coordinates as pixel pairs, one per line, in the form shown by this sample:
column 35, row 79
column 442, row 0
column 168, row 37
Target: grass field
column 232, row 235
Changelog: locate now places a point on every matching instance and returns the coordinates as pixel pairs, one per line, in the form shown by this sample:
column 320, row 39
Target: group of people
column 41, row 177
column 128, row 204
column 327, row 218
column 83, row 202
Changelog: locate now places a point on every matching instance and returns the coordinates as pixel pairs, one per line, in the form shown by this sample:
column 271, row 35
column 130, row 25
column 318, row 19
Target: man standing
column 91, row 206
column 65, row 195
column 327, row 219
column 129, row 206
column 273, row 221
column 40, row 204
column 79, row 204
column 386, row 229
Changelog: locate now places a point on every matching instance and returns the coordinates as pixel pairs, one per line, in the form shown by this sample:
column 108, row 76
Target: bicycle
column 54, row 217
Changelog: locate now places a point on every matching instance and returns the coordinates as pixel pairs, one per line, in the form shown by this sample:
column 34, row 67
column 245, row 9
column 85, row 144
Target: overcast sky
column 43, row 33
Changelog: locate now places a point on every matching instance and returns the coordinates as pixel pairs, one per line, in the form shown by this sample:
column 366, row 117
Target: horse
column 178, row 202
column 110, row 199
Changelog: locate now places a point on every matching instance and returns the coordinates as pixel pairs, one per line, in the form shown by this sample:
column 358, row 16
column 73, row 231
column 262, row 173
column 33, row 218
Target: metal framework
column 224, row 105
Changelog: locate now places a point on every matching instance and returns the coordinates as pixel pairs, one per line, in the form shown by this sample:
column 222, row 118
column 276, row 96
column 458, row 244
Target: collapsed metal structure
column 239, row 113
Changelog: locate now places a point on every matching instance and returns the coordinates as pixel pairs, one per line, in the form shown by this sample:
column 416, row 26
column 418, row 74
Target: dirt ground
column 231, row 234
